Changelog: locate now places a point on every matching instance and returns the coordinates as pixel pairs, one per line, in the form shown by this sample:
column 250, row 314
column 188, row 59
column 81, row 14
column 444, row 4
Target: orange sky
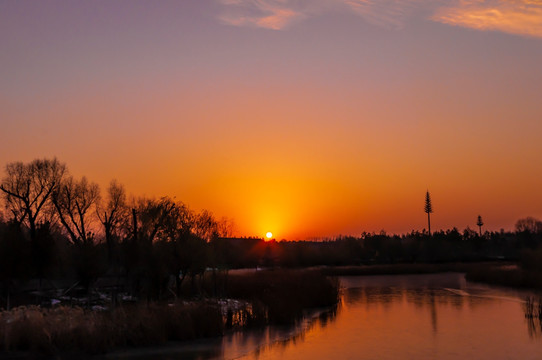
column 304, row 118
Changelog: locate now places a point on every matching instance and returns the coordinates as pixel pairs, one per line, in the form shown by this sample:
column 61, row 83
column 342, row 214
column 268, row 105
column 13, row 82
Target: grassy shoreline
column 407, row 268
column 510, row 277
column 264, row 297
column 509, row 274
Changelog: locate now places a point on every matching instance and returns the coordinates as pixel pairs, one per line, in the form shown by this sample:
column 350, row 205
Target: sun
column 269, row 235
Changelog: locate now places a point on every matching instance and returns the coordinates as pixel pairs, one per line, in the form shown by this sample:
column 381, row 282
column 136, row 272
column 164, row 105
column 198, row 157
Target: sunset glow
column 269, row 235
column 313, row 118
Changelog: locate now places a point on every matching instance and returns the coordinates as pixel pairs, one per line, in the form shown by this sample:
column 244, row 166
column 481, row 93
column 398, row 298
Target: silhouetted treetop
column 428, row 208
column 480, row 223
column 27, row 189
column 75, row 201
column 529, row 224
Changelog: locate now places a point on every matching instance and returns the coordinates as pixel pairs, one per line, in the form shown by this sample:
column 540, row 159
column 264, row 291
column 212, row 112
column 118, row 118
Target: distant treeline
column 370, row 248
column 57, row 227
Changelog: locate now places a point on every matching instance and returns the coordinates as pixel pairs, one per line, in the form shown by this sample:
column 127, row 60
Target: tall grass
column 48, row 331
column 282, row 295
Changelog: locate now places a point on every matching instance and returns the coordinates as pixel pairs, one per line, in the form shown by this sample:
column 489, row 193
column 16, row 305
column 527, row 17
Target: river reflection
column 238, row 344
column 438, row 316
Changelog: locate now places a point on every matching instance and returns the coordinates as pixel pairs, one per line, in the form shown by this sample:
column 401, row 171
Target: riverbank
column 511, row 276
column 501, row 273
column 263, row 297
column 408, row 268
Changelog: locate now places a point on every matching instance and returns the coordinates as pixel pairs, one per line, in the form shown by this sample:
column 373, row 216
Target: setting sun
column 269, row 235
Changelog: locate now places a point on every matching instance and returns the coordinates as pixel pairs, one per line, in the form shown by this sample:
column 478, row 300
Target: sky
column 307, row 118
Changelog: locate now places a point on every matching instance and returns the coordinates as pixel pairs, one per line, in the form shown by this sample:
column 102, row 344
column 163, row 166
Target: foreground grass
column 48, row 331
column 270, row 297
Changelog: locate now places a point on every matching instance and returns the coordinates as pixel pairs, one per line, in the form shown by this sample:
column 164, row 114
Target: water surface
column 437, row 316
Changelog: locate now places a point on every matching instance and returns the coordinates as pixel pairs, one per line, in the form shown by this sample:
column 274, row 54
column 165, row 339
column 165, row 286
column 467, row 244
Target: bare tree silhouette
column 205, row 225
column 27, row 188
column 480, row 223
column 428, row 210
column 529, row 224
column 155, row 218
column 225, row 227
column 112, row 212
column 74, row 201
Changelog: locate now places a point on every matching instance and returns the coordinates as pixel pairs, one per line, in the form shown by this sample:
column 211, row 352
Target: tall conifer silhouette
column 428, row 209
column 480, row 223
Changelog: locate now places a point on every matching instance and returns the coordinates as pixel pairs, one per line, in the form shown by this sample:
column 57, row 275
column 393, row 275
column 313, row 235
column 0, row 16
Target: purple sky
column 305, row 118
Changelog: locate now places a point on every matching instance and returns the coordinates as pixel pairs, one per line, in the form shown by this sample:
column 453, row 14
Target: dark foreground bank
column 263, row 297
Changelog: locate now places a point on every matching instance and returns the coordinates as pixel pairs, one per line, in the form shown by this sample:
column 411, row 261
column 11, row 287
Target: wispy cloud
column 280, row 14
column 520, row 17
column 386, row 13
column 269, row 14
